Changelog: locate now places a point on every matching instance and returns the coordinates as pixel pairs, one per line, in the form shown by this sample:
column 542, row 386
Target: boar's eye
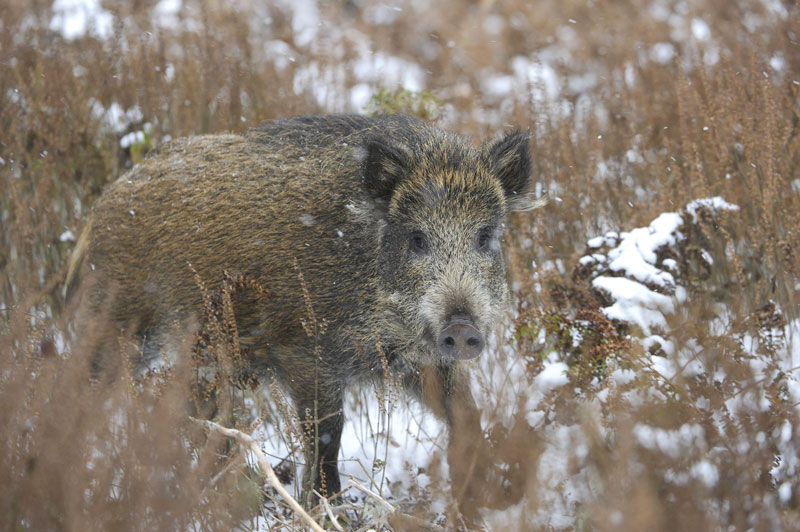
column 418, row 243
column 483, row 240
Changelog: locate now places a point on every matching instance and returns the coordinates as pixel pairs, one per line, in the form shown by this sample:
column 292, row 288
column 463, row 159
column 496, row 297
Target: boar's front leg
column 321, row 419
column 445, row 390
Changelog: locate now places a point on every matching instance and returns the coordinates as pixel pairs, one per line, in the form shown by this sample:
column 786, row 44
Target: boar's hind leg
column 321, row 417
column 445, row 390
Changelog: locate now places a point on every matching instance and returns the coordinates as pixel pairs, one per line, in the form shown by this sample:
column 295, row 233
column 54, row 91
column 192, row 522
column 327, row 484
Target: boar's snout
column 460, row 339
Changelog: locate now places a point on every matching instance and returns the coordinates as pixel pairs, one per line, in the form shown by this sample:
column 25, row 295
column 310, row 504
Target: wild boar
column 394, row 226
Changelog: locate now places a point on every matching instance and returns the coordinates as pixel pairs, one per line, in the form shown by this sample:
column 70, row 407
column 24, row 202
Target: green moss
column 422, row 104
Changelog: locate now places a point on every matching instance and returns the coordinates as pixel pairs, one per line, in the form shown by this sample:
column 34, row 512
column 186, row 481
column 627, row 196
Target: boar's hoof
column 460, row 339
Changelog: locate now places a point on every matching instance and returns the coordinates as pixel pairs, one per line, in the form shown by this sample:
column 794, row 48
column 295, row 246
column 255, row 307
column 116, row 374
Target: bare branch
column 392, row 510
column 367, row 491
column 329, row 511
column 247, row 442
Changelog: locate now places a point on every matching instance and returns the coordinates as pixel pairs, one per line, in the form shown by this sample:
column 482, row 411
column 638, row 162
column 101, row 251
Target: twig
column 329, row 511
column 421, row 524
column 222, row 473
column 367, row 491
column 247, row 442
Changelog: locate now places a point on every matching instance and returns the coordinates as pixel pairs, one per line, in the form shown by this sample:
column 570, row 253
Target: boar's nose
column 460, row 339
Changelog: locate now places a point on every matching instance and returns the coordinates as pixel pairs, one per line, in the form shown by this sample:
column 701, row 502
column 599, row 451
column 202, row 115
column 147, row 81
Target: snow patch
column 536, row 80
column 635, row 254
column 662, row 52
column 389, row 71
column 73, row 19
column 670, row 442
column 635, row 303
column 552, row 376
column 643, row 292
column 700, row 29
column 134, row 137
column 67, row 236
column 715, row 204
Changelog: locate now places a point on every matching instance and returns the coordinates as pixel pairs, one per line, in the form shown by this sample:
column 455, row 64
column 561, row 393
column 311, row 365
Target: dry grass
column 645, row 133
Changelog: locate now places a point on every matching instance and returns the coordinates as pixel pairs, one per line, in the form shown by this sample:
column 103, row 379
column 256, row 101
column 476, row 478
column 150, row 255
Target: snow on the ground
column 385, row 441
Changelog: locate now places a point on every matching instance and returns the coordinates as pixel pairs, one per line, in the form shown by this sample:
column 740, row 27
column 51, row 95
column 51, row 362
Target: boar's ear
column 509, row 158
column 385, row 165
